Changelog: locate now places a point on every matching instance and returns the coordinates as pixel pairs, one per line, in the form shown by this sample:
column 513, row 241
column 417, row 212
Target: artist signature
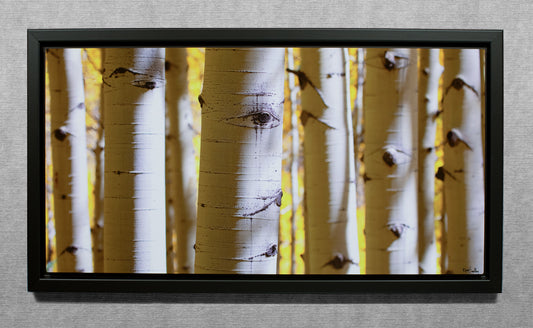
column 470, row 270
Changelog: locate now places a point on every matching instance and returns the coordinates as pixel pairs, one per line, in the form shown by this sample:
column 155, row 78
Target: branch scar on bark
column 276, row 198
column 390, row 60
column 272, row 250
column 118, row 172
column 398, row 229
column 338, row 261
column 262, row 116
column 458, row 84
column 441, row 173
column 305, row 116
column 61, row 133
column 303, row 80
column 144, row 82
column 201, row 101
column 389, row 157
column 454, row 137
column 122, row 70
column 71, row 250
column 437, row 114
column 81, row 105
column 330, row 75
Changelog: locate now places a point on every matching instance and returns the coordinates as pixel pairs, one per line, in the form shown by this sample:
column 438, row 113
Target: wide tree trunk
column 329, row 179
column 390, row 119
column 239, row 192
column 463, row 161
column 69, row 159
column 182, row 167
column 134, row 203
column 429, row 73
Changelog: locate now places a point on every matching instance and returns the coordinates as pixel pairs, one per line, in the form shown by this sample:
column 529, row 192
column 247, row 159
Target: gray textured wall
column 510, row 309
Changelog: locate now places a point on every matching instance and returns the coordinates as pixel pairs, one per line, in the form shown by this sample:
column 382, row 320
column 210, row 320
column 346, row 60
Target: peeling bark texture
column 134, row 191
column 464, row 159
column 329, row 163
column 182, row 168
column 69, row 159
column 429, row 73
column 240, row 167
column 390, row 118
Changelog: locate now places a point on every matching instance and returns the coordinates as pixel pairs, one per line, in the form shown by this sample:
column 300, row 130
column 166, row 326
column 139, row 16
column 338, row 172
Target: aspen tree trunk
column 69, row 158
column 134, row 205
column 171, row 236
column 390, row 116
column 295, row 155
column 239, row 193
column 429, row 73
column 183, row 178
column 463, row 161
column 332, row 246
column 358, row 125
column 98, row 241
column 482, row 53
column 444, row 238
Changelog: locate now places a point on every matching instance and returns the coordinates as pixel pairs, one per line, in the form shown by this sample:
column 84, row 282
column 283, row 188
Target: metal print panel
column 265, row 160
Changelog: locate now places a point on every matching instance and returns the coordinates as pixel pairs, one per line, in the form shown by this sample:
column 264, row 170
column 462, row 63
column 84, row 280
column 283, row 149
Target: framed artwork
column 265, row 160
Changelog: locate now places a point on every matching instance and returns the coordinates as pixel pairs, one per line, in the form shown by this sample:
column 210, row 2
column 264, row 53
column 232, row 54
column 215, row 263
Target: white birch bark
column 332, row 246
column 390, row 119
column 429, row 73
column 134, row 204
column 239, row 193
column 69, row 158
column 463, row 161
column 183, row 178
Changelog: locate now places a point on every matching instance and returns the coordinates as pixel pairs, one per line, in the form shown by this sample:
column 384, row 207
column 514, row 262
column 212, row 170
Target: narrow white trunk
column 332, row 246
column 134, row 205
column 358, row 125
column 429, row 74
column 239, row 193
column 390, row 119
column 463, row 161
column 69, row 158
column 183, row 178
